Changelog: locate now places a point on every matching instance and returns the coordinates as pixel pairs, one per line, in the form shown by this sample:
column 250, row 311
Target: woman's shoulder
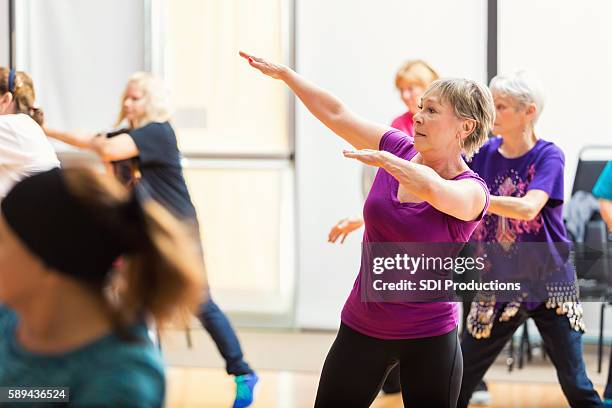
column 124, row 375
column 136, row 367
column 154, row 132
column 548, row 148
column 19, row 122
column 141, row 352
column 488, row 147
column 472, row 175
column 468, row 174
column 158, row 127
column 397, row 142
column 399, row 120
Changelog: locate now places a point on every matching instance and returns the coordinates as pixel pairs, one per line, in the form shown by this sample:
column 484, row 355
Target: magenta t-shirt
column 389, row 220
column 405, row 123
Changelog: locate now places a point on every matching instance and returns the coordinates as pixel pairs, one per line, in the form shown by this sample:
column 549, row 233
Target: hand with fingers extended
column 370, row 157
column 268, row 68
column 343, row 228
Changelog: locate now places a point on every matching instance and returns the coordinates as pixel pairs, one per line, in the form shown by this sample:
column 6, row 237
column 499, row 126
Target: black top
column 160, row 166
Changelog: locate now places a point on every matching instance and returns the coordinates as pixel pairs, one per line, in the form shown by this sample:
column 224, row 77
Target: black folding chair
column 593, row 257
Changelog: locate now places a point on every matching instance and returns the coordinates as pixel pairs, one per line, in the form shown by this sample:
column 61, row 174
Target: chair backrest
column 591, row 161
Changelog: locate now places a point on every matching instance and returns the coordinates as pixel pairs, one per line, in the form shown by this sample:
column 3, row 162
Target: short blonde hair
column 469, row 100
column 157, row 105
column 416, row 71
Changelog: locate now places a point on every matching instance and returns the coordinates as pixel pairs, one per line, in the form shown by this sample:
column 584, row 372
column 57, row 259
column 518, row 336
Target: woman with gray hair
column 525, row 177
column 423, row 192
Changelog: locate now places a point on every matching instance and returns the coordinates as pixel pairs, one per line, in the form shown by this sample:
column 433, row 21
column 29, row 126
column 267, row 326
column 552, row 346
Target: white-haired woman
column 147, row 150
column 525, row 177
column 423, row 192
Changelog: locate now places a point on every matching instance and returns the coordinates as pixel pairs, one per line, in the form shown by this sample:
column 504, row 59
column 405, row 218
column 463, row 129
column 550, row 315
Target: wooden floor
column 190, row 387
column 289, row 364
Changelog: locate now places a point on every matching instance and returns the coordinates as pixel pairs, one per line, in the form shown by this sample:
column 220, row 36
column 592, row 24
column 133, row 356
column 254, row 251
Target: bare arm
column 521, row 208
column 605, row 207
column 77, row 139
column 119, row 147
column 462, row 199
column 359, row 132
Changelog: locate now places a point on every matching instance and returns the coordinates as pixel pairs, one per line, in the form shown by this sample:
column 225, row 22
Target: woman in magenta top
column 424, row 191
column 411, row 81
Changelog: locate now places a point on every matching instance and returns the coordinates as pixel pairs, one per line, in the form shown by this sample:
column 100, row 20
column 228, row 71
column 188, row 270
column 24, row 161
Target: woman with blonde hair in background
column 146, row 152
column 24, row 149
column 63, row 320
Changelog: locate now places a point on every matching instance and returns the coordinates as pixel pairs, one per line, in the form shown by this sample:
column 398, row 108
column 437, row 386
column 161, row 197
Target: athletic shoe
column 480, row 398
column 245, row 384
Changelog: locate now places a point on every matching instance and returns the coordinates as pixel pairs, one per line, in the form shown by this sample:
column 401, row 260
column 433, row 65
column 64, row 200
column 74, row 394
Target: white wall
column 81, row 53
column 353, row 48
column 4, row 33
column 568, row 46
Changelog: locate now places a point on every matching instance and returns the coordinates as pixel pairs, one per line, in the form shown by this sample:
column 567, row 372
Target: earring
column 461, row 143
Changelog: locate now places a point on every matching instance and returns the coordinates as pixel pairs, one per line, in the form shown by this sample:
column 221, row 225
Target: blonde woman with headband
column 24, row 149
column 146, row 150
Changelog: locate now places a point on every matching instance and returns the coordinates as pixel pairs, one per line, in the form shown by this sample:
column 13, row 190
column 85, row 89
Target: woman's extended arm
column 77, row 139
column 359, row 132
column 119, row 147
column 524, row 208
column 462, row 199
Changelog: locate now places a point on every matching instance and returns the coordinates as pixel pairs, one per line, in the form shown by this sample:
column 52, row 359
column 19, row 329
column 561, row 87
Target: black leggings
column 356, row 366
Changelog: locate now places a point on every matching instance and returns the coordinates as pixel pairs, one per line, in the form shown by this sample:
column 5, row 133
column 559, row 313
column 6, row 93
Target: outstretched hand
column 266, row 67
column 343, row 228
column 370, row 157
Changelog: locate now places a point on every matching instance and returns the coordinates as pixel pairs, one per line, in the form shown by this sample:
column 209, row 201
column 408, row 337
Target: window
column 235, row 131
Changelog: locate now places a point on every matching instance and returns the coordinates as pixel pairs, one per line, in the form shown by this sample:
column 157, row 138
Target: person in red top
column 411, row 80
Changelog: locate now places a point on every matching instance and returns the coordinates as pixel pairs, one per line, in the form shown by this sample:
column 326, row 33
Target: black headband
column 64, row 233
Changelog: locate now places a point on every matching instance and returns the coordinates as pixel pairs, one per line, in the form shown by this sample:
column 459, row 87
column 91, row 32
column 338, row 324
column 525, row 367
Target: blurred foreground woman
column 67, row 318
